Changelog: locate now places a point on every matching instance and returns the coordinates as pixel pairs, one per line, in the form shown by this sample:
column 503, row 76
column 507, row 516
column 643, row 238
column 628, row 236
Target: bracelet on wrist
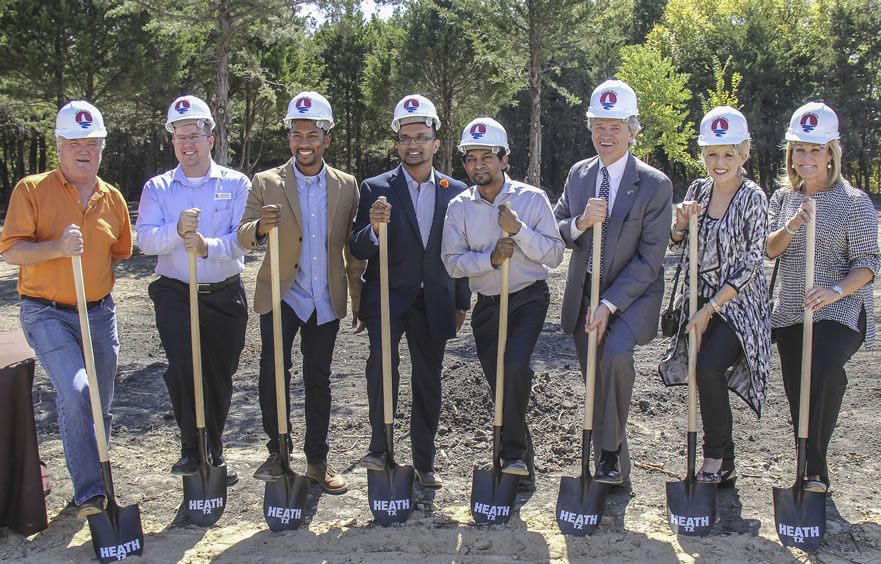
column 789, row 231
column 715, row 305
column 839, row 290
column 676, row 231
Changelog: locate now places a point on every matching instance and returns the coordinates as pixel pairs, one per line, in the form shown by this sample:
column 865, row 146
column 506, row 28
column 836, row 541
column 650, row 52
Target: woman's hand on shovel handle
column 699, row 324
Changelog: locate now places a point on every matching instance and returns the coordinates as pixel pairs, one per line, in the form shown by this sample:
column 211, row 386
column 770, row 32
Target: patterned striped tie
column 604, row 194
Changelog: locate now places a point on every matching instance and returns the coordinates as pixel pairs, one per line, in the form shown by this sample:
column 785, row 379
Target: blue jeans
column 54, row 334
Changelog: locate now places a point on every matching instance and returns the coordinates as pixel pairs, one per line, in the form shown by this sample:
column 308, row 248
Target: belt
column 497, row 298
column 58, row 305
column 212, row 286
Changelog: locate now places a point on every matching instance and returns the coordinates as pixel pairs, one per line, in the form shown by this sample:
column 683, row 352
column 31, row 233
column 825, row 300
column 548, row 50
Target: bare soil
column 144, row 445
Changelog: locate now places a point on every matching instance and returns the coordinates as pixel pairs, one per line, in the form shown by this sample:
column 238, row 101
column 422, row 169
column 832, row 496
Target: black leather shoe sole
column 186, row 466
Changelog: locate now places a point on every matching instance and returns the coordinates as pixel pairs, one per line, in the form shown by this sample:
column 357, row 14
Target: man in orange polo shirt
column 51, row 217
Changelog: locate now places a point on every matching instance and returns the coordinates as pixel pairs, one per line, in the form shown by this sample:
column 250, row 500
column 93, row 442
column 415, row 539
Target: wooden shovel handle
column 591, row 364
column 807, row 340
column 196, row 344
column 385, row 324
column 89, row 357
column 503, row 339
column 275, row 279
column 692, row 310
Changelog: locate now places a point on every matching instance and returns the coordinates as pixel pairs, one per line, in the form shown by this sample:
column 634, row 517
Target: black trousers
column 834, row 344
column 316, row 347
column 720, row 349
column 223, row 318
column 426, row 359
column 527, row 310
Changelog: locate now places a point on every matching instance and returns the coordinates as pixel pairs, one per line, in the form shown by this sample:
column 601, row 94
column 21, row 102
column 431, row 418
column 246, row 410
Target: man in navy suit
column 424, row 301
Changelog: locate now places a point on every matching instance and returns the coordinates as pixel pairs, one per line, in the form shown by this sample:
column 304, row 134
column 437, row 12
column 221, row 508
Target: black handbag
column 670, row 318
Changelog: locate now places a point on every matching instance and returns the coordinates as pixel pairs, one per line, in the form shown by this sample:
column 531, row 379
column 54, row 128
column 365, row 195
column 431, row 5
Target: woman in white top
column 846, row 262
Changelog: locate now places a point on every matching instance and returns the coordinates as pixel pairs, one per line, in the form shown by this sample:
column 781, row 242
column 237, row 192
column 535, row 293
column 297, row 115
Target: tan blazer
column 279, row 186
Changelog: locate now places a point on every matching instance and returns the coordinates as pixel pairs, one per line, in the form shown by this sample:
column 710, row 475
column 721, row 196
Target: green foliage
column 722, row 94
column 663, row 96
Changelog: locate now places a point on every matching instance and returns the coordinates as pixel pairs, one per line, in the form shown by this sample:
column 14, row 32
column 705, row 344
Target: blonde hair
column 789, row 178
column 742, row 150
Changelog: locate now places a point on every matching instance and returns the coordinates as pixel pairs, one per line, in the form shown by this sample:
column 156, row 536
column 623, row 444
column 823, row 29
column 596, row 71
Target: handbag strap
column 773, row 281
column 675, row 283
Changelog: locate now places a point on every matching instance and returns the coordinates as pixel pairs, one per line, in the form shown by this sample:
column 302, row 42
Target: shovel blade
column 691, row 507
column 390, row 493
column 492, row 496
column 580, row 505
column 800, row 517
column 284, row 502
column 117, row 533
column 205, row 494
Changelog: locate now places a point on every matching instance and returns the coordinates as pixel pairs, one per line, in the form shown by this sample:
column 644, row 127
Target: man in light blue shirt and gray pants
column 196, row 207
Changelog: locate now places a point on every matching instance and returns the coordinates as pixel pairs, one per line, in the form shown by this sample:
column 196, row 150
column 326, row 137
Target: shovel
column 799, row 515
column 493, row 491
column 204, row 491
column 116, row 531
column 389, row 491
column 581, row 501
column 285, row 498
column 691, row 505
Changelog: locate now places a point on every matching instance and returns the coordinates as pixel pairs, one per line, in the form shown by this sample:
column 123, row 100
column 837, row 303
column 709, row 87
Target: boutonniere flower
column 444, row 183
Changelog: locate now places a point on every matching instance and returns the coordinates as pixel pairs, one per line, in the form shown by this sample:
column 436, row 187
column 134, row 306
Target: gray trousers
column 615, row 376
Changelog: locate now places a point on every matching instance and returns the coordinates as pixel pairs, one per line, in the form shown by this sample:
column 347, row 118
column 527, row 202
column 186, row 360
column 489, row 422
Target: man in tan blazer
column 312, row 205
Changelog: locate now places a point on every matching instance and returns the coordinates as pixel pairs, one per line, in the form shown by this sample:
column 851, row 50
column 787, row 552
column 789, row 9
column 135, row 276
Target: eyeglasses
column 192, row 138
column 420, row 140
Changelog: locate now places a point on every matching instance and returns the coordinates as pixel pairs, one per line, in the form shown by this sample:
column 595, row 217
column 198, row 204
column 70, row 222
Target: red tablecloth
column 22, row 504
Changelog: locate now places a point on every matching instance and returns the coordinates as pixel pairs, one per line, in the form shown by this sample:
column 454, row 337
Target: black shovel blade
column 580, row 505
column 800, row 517
column 691, row 507
column 205, row 494
column 390, row 493
column 492, row 496
column 284, row 502
column 117, row 532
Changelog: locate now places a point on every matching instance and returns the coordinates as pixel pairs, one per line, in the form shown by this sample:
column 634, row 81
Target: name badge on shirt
column 222, row 196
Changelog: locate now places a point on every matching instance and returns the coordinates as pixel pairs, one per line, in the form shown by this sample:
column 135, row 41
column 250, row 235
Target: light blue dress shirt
column 310, row 291
column 221, row 196
column 422, row 195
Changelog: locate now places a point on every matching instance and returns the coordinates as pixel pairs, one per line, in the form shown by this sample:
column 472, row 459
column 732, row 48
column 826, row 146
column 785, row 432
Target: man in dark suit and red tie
column 425, row 303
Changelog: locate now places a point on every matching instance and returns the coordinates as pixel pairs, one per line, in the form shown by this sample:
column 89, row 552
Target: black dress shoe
column 608, row 469
column 186, row 466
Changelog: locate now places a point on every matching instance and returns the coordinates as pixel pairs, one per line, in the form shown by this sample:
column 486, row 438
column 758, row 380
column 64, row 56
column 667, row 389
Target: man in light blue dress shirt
column 195, row 208
column 312, row 206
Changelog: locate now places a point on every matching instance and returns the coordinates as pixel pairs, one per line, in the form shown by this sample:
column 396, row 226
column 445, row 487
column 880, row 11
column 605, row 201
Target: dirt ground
column 144, row 445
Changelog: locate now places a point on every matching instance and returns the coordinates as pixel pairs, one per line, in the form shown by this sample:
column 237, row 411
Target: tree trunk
column 533, row 173
column 221, row 94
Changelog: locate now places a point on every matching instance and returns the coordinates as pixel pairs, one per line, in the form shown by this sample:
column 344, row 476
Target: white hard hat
column 484, row 133
column 415, row 108
column 723, row 125
column 310, row 105
column 79, row 119
column 613, row 99
column 814, row 122
column 189, row 108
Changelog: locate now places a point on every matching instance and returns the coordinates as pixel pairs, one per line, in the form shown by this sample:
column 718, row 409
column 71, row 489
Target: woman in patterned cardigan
column 732, row 326
column 846, row 263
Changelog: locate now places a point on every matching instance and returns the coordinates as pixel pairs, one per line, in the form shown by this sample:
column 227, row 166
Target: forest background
column 532, row 64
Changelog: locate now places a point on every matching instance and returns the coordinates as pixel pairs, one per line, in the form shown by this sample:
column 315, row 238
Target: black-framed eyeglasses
column 419, row 140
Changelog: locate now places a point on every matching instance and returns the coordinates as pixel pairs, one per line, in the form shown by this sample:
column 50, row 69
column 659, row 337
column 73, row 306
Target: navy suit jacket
column 410, row 265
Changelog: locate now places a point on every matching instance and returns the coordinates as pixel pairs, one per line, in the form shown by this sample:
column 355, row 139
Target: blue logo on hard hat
column 478, row 130
column 84, row 118
column 411, row 105
column 182, row 106
column 720, row 126
column 809, row 122
column 608, row 99
column 303, row 105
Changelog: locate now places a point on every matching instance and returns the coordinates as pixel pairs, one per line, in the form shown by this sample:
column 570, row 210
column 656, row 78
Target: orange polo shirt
column 40, row 208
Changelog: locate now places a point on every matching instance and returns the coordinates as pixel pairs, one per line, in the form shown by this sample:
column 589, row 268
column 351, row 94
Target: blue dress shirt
column 221, row 196
column 310, row 291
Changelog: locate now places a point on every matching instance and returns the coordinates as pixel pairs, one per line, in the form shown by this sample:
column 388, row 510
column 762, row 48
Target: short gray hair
column 58, row 139
column 632, row 123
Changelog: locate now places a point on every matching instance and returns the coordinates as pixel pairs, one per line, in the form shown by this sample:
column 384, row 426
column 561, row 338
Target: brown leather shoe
column 92, row 506
column 428, row 479
column 271, row 469
column 327, row 478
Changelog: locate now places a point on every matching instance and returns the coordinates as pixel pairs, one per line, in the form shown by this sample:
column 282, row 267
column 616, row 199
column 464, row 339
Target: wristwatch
column 837, row 288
